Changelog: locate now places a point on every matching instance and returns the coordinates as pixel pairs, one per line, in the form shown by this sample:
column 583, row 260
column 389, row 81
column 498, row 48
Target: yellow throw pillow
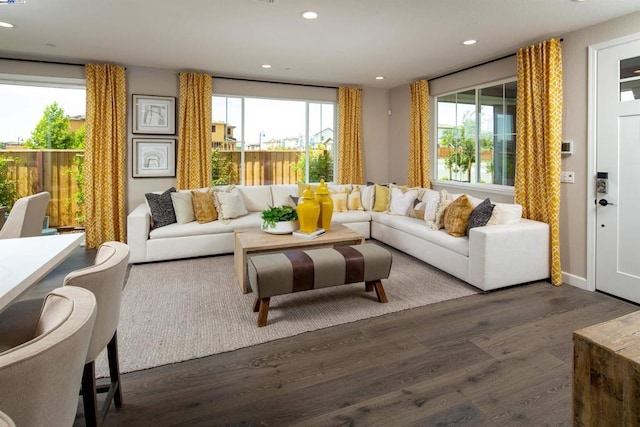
column 382, row 198
column 203, row 207
column 456, row 216
column 353, row 201
column 339, row 200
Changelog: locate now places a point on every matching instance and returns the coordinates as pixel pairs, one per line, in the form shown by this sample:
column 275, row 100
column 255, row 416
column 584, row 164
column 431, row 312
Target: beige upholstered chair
column 40, row 378
column 105, row 279
column 26, row 217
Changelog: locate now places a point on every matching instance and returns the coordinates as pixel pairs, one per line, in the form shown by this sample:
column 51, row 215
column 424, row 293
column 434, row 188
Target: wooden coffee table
column 249, row 241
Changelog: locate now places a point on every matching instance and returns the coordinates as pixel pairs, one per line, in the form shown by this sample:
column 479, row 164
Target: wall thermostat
column 567, row 148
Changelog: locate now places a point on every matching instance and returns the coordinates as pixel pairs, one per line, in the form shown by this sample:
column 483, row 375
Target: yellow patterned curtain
column 105, row 154
column 419, row 164
column 350, row 135
column 194, row 133
column 539, row 133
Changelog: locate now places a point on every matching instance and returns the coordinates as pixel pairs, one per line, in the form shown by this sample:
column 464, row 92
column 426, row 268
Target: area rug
column 180, row 310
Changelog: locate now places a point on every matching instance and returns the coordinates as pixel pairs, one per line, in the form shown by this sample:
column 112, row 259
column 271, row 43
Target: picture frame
column 154, row 114
column 154, row 158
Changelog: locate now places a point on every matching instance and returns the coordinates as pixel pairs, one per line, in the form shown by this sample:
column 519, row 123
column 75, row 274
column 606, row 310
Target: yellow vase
column 308, row 211
column 326, row 206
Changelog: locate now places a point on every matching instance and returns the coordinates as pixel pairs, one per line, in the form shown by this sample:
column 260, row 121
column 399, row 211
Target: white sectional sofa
column 490, row 257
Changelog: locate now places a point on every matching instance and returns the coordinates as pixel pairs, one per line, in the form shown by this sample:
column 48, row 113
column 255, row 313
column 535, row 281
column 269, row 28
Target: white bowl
column 282, row 227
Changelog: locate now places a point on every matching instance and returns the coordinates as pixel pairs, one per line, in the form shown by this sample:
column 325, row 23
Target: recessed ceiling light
column 309, row 15
column 469, row 42
column 266, row 66
column 6, row 25
column 380, row 78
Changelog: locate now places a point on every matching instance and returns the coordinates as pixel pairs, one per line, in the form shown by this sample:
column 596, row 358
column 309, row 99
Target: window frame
column 307, row 103
column 465, row 186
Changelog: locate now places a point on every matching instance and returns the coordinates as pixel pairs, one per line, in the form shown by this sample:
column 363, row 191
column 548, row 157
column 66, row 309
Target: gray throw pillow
column 480, row 215
column 161, row 207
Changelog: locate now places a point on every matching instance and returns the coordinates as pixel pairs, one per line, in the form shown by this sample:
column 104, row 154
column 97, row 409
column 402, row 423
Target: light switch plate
column 568, row 177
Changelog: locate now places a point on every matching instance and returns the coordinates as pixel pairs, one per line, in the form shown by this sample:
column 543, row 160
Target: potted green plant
column 279, row 219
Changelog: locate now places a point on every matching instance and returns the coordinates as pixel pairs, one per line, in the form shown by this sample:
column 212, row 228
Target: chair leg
column 114, row 369
column 89, row 398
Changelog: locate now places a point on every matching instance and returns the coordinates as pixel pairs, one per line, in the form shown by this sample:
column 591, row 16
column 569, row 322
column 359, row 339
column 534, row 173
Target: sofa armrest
column 138, row 226
column 503, row 255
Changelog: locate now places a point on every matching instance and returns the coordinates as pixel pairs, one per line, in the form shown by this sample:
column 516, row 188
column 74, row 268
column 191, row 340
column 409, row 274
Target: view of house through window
column 477, row 135
column 259, row 141
column 41, row 147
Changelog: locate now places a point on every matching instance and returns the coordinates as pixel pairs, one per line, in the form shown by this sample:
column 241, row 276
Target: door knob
column 604, row 202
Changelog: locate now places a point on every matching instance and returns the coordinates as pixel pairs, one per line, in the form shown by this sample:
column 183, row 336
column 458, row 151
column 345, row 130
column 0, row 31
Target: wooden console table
column 606, row 373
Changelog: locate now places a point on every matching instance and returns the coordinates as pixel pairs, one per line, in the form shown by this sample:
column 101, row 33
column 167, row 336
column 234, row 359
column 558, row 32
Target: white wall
column 375, row 134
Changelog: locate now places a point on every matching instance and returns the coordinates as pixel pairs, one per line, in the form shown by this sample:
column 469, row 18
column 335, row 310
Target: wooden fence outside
column 263, row 167
column 34, row 171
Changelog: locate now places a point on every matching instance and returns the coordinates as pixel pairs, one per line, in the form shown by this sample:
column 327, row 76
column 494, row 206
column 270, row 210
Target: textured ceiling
column 351, row 42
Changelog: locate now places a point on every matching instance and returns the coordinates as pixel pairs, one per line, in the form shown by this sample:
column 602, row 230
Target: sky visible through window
column 22, row 107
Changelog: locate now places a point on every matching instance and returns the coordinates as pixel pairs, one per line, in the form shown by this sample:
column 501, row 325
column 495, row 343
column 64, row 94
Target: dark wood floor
column 498, row 358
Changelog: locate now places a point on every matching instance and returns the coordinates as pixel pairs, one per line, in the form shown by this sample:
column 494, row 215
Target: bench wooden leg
column 382, row 297
column 263, row 312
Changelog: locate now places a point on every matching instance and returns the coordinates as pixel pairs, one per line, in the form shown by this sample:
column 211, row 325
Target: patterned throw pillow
column 417, row 210
column 339, row 200
column 434, row 211
column 367, row 197
column 229, row 203
column 203, row 206
column 480, row 215
column 456, row 216
column 353, row 201
column 161, row 208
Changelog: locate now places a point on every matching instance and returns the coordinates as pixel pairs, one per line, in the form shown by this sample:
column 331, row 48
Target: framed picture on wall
column 154, row 158
column 154, row 114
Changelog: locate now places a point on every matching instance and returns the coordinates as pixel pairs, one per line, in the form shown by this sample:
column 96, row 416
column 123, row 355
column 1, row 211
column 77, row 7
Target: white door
column 618, row 156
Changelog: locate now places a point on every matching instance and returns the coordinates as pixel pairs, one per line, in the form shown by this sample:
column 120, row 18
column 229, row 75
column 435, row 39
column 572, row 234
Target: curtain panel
column 539, row 133
column 350, row 136
column 419, row 161
column 193, row 169
column 105, row 153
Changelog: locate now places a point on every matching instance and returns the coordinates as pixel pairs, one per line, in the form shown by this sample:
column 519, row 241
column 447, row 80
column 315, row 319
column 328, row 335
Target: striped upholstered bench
column 303, row 270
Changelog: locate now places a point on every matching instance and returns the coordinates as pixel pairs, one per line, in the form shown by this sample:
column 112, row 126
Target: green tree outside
column 53, row 132
column 320, row 165
column 8, row 192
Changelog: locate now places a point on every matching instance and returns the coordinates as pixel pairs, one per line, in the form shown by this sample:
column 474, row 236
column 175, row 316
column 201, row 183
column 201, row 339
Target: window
column 477, row 124
column 260, row 141
column 42, row 144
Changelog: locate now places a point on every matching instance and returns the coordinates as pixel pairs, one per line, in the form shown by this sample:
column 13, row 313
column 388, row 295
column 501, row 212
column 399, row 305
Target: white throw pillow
column 430, row 210
column 401, row 201
column 367, row 196
column 229, row 204
column 429, row 195
column 183, row 206
column 435, row 221
column 505, row 213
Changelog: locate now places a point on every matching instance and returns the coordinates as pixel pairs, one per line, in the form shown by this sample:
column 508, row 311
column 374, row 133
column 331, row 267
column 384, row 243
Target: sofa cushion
column 230, row 203
column 195, row 229
column 456, row 216
column 339, row 199
column 280, row 194
column 353, row 200
column 367, row 197
column 416, row 228
column 256, row 198
column 161, row 208
column 183, row 207
column 382, row 198
column 204, row 208
column 401, row 200
column 480, row 215
column 351, row 216
column 505, row 213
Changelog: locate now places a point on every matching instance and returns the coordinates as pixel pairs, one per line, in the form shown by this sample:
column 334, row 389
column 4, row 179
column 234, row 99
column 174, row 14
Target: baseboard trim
column 573, row 280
